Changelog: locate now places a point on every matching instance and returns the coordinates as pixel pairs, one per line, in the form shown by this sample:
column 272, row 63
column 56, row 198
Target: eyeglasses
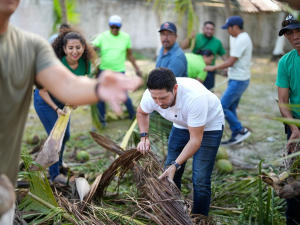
column 290, row 19
column 114, row 27
column 167, row 34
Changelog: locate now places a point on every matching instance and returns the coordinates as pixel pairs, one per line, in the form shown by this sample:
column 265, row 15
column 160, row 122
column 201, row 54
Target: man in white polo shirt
column 239, row 77
column 198, row 121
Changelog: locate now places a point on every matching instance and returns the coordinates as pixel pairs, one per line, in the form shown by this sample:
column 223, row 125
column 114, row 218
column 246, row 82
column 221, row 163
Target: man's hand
column 170, row 172
column 210, row 68
column 144, row 145
column 294, row 136
column 113, row 87
column 138, row 72
column 60, row 112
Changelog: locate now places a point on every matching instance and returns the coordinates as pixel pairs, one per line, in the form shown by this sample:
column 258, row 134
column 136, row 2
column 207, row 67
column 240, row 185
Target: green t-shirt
column 113, row 50
column 288, row 77
column 213, row 44
column 80, row 70
column 196, row 66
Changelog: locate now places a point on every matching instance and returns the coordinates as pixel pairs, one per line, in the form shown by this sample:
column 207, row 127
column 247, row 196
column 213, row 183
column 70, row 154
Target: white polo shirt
column 195, row 106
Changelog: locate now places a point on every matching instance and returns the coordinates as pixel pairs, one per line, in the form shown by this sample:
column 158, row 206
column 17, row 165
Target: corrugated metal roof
column 254, row 6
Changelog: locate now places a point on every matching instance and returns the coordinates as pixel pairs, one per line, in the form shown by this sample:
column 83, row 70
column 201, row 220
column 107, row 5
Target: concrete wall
column 142, row 23
column 35, row 16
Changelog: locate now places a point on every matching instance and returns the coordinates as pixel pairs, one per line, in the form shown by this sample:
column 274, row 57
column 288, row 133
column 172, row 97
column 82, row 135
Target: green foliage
column 181, row 8
column 72, row 16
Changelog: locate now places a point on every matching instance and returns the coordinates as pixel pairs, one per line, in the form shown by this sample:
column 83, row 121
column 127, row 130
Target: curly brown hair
column 66, row 34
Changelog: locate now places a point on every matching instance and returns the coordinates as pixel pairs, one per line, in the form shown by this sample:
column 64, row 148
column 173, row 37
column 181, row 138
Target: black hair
column 62, row 39
column 161, row 78
column 64, row 26
column 206, row 52
column 209, row 22
column 239, row 26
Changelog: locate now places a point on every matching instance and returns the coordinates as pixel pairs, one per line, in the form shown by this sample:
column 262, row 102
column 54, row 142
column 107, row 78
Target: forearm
column 185, row 43
column 286, row 112
column 223, row 65
column 70, row 89
column 189, row 150
column 132, row 60
column 46, row 97
column 143, row 122
column 224, row 57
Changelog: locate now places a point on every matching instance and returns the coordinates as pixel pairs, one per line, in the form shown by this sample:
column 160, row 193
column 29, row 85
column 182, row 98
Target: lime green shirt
column 214, row 44
column 196, row 66
column 288, row 77
column 80, row 70
column 113, row 50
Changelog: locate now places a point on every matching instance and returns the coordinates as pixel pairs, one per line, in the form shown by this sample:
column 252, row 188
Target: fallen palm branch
column 49, row 154
column 163, row 197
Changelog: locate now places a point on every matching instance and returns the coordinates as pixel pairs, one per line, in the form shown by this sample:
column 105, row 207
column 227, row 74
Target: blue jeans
column 102, row 111
column 203, row 163
column 209, row 82
column 230, row 101
column 48, row 117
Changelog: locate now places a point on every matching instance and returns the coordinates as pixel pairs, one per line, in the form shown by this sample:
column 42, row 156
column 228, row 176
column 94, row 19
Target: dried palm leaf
column 49, row 154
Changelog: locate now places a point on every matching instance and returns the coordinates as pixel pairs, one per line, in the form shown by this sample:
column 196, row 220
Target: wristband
column 176, row 165
column 56, row 109
column 143, row 135
column 96, row 91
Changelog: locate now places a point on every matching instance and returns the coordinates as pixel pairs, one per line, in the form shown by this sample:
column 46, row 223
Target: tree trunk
column 63, row 11
column 227, row 8
column 279, row 46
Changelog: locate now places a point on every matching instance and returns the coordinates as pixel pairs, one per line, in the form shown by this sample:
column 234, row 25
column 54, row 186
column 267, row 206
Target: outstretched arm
column 228, row 63
column 74, row 90
column 196, row 135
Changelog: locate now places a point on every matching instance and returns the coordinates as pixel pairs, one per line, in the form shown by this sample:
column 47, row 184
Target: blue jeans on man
column 203, row 163
column 102, row 111
column 209, row 81
column 48, row 117
column 230, row 101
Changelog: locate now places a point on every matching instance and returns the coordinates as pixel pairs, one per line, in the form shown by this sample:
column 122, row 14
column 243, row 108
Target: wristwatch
column 144, row 135
column 176, row 165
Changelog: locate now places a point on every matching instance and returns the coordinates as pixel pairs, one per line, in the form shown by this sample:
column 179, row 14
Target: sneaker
column 238, row 138
column 61, row 179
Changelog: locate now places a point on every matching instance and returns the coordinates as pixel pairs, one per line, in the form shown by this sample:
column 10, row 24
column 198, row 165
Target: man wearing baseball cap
column 239, row 77
column 288, row 82
column 171, row 55
column 115, row 47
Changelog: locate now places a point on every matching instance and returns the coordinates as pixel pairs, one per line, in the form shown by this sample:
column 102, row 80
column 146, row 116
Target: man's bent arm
column 185, row 43
column 196, row 136
column 228, row 63
column 283, row 99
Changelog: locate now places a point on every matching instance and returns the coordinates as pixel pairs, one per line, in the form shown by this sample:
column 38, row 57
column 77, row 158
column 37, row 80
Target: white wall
column 35, row 16
column 142, row 22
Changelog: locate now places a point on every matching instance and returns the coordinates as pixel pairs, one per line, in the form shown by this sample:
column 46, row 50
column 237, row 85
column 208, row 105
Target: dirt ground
column 266, row 141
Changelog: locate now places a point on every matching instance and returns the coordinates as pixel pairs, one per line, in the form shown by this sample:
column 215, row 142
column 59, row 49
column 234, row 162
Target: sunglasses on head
column 115, row 27
column 290, row 19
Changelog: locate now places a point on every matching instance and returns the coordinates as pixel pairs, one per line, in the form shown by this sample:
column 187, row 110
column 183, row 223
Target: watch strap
column 144, row 135
column 176, row 165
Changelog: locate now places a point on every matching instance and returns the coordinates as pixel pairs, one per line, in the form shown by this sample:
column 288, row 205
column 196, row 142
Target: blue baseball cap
column 233, row 20
column 168, row 26
column 115, row 20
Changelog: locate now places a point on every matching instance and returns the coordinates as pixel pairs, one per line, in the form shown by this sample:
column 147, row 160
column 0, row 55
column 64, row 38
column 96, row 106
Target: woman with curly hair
column 74, row 52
